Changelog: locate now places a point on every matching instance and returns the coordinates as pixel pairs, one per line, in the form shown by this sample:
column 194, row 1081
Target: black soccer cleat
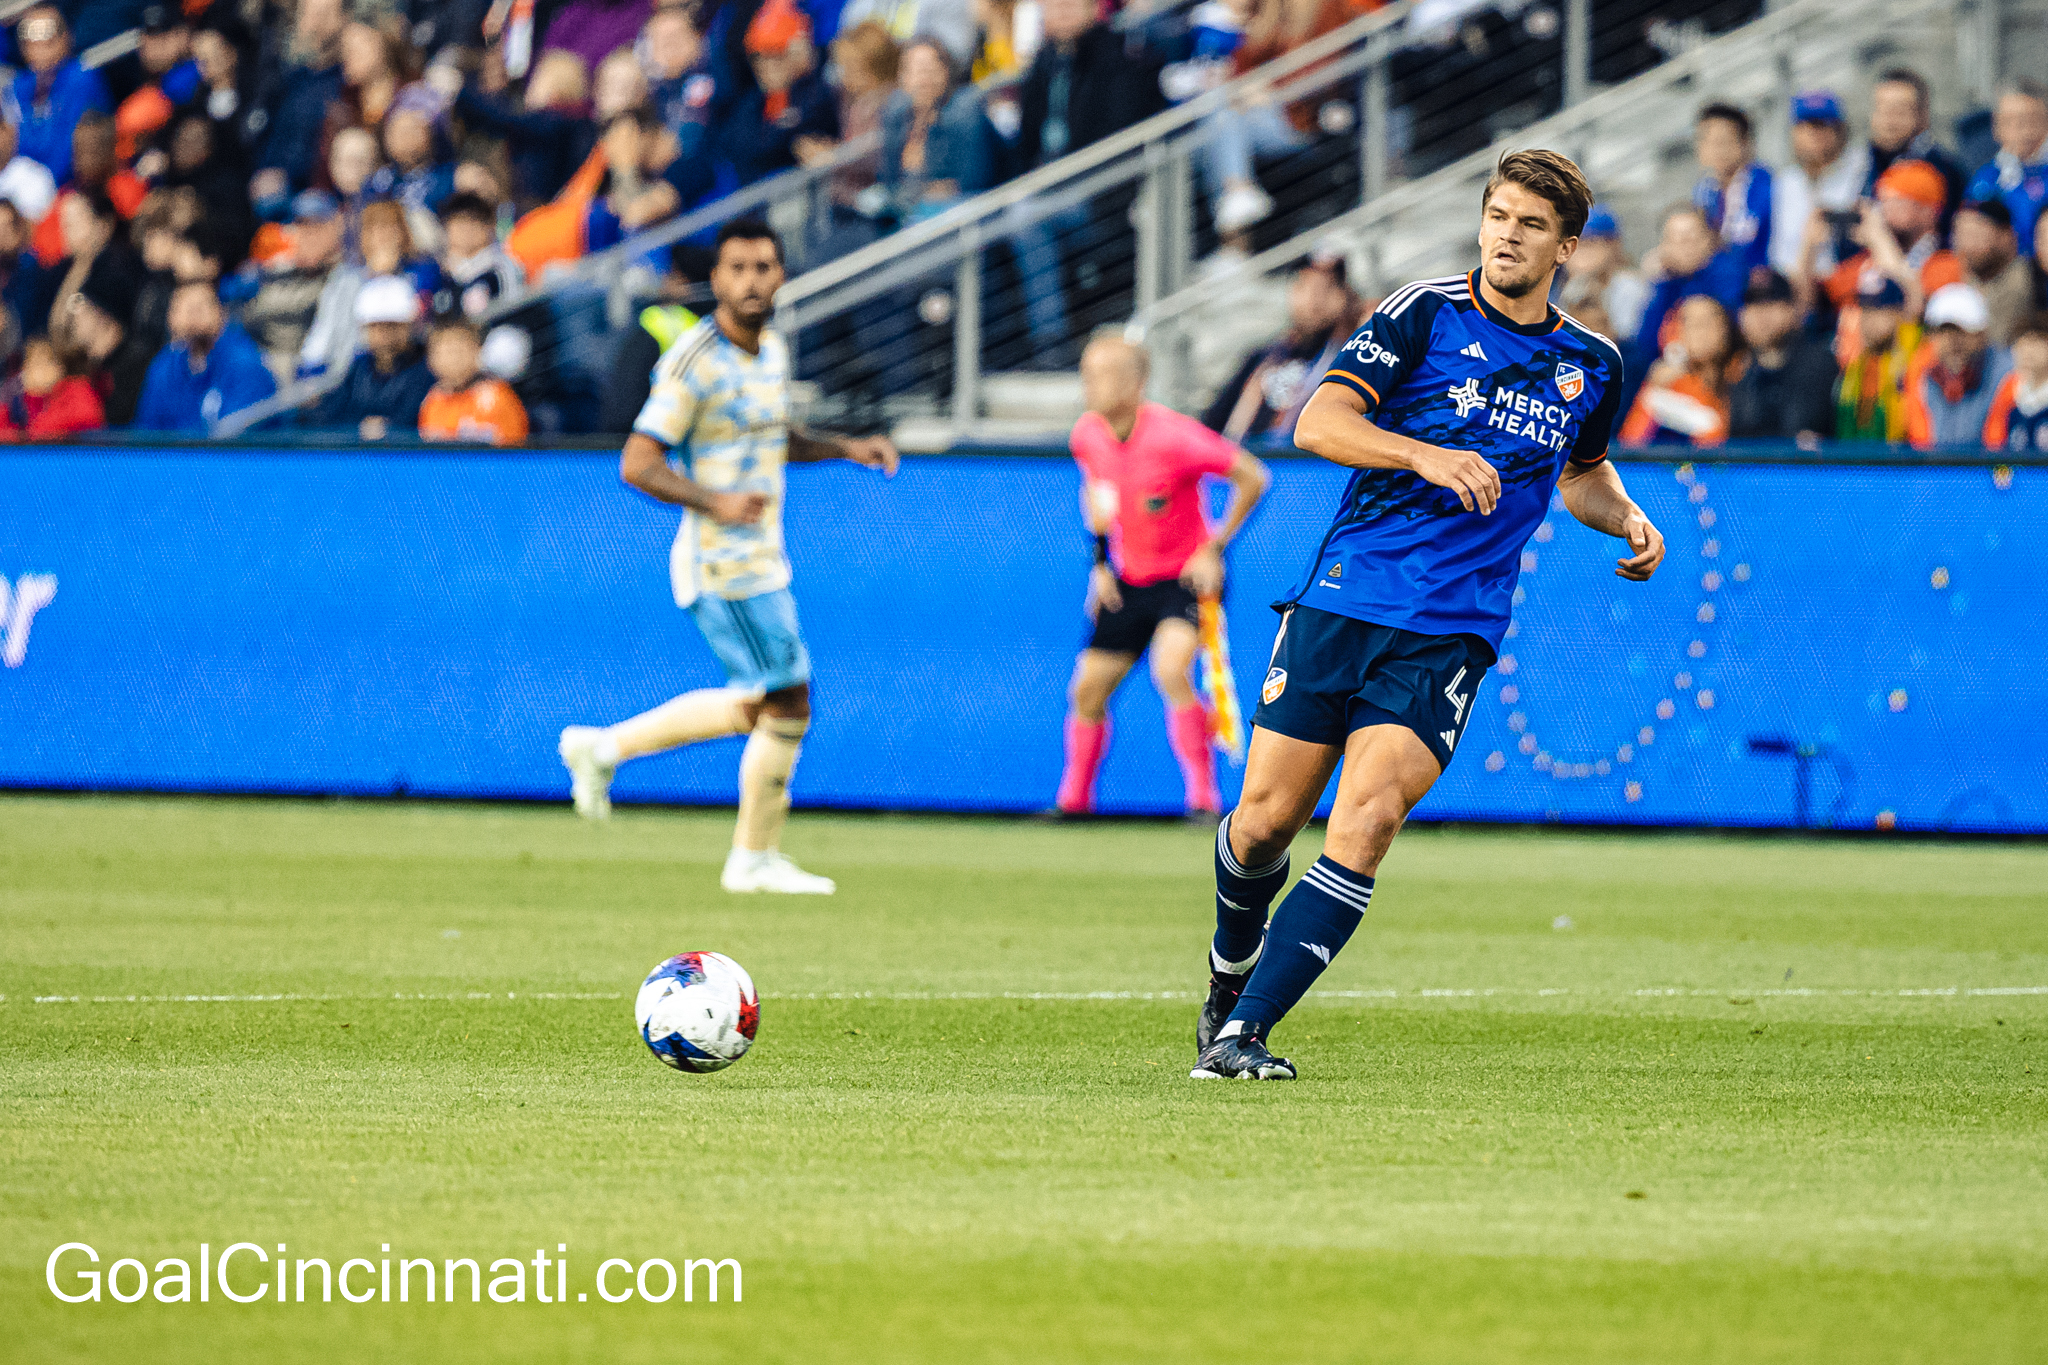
column 1224, row 988
column 1241, row 1056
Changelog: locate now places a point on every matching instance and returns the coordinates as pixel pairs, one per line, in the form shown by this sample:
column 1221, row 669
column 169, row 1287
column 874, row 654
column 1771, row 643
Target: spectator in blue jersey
column 2018, row 176
column 2019, row 410
column 387, row 382
column 53, row 90
column 681, row 86
column 1689, row 259
column 1735, row 192
column 420, row 174
column 1901, row 123
column 210, row 369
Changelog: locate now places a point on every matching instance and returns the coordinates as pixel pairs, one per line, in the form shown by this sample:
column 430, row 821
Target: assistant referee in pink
column 1156, row 556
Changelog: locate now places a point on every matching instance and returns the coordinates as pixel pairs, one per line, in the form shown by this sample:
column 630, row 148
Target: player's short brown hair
column 1547, row 175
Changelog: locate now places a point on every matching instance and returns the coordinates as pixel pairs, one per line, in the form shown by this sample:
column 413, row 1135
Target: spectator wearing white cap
column 24, row 182
column 1826, row 173
column 386, row 384
column 1949, row 396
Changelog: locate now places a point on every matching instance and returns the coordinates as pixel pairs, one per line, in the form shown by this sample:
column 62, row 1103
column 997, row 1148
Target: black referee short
column 1128, row 630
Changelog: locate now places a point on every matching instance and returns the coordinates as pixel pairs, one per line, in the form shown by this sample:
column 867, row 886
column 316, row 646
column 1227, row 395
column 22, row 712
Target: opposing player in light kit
column 1156, row 556
column 713, row 439
column 1461, row 403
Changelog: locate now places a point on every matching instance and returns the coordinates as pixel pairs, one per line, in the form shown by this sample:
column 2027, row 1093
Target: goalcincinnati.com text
column 248, row 1273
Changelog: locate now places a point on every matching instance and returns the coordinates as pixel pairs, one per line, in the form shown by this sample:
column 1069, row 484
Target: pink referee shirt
column 1151, row 484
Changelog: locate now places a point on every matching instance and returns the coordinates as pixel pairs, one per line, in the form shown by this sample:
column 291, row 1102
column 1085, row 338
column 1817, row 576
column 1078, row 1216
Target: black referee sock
column 1242, row 896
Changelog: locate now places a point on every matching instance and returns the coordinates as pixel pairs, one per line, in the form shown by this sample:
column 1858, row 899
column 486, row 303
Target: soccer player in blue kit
column 1460, row 403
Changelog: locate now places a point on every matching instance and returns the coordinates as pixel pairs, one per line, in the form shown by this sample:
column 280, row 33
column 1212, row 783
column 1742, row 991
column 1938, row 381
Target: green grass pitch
column 1567, row 1097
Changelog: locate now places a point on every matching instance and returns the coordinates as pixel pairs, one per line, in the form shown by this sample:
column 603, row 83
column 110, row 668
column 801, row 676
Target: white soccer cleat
column 590, row 782
column 748, row 871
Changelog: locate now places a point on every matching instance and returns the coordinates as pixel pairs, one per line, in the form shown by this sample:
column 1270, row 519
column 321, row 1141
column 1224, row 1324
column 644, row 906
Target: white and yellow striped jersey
column 724, row 416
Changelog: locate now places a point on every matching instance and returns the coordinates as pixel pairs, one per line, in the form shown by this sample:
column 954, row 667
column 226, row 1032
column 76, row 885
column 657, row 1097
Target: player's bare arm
column 644, row 465
column 1334, row 426
column 872, row 452
column 1103, row 593
column 1595, row 496
column 1249, row 479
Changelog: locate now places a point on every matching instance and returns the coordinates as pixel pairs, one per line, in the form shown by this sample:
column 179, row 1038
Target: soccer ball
column 698, row 1011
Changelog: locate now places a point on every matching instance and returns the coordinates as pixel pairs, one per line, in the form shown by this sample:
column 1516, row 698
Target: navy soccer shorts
column 1129, row 629
column 1333, row 674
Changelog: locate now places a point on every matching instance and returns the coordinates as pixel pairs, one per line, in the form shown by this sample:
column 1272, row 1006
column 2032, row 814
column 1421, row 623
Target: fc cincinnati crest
column 1276, row 683
column 1571, row 382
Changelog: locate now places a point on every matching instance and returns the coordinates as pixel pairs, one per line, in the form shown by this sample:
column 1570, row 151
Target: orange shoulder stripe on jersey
column 1355, row 383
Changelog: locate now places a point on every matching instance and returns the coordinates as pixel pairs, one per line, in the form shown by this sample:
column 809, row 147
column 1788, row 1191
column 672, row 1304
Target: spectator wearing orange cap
column 792, row 101
column 1901, row 240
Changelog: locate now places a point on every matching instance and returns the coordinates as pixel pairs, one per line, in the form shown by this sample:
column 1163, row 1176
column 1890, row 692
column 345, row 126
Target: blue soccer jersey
column 1439, row 364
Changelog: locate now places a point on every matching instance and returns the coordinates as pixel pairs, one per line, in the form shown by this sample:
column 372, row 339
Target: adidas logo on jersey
column 1476, row 351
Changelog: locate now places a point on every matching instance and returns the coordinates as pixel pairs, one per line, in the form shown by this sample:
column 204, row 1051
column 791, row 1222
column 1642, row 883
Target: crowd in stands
column 1878, row 288
column 233, row 212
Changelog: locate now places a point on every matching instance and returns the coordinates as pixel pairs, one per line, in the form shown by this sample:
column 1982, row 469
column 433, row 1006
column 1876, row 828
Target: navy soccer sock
column 1242, row 895
column 1310, row 928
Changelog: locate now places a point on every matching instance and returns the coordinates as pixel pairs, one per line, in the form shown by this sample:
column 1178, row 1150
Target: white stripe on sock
column 1238, row 968
column 1230, row 862
column 1357, row 897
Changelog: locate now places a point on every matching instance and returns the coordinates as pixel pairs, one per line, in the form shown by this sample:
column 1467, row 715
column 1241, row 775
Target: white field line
column 1436, row 993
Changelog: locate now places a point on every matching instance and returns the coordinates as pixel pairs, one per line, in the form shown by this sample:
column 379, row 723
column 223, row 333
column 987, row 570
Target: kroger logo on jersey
column 1370, row 351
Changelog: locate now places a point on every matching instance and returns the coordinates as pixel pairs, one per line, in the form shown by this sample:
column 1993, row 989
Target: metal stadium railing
column 1017, row 277
column 1634, row 141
